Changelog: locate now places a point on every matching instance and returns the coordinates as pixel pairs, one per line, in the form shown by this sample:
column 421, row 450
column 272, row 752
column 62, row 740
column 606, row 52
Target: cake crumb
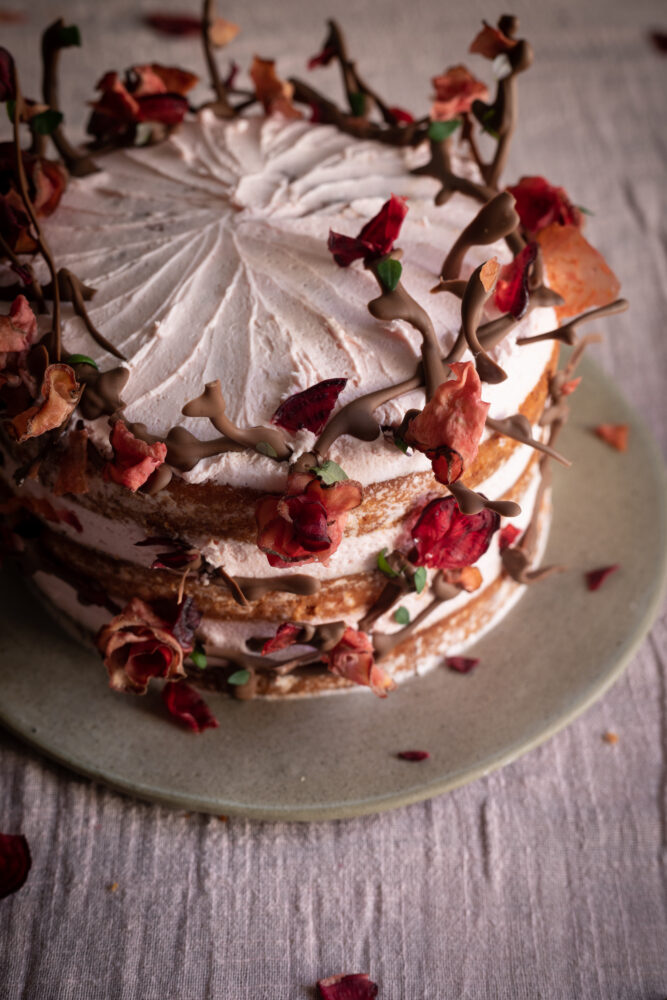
column 112, row 887
column 610, row 737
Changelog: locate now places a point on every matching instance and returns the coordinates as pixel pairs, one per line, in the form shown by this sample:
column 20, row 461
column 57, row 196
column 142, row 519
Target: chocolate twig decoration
column 496, row 219
column 221, row 106
column 440, row 167
column 384, row 643
column 355, row 87
column 77, row 162
column 211, row 404
column 518, row 428
column 567, row 333
column 480, row 288
column 73, row 289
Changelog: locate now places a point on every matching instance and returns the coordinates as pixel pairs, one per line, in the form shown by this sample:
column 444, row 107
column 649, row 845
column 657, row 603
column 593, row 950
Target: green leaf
column 329, row 473
column 46, row 122
column 485, row 121
column 239, row 677
column 419, row 579
column 402, row 616
column 586, row 211
column 11, row 107
column 357, row 104
column 442, row 130
column 81, row 359
column 264, row 448
column 198, row 657
column 389, row 272
column 400, row 444
column 69, row 35
column 384, row 566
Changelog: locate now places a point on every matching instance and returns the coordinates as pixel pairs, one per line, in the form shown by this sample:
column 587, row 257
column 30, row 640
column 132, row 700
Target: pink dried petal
column 596, row 577
column 615, row 435
column 187, row 707
column 322, row 58
column 413, row 755
column 15, row 862
column 539, row 204
column 375, row 239
column 285, row 636
column 462, row 664
column 309, row 410
column 508, row 535
column 512, row 292
column 174, row 24
column 402, row 116
column 447, row 539
column 357, row 986
column 569, row 387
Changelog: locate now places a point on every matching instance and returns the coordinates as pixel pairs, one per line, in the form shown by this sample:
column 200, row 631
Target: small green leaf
column 81, row 359
column 264, row 448
column 442, row 130
column 402, row 616
column 389, row 273
column 69, row 35
column 46, row 122
column 419, row 579
column 400, row 444
column 357, row 104
column 586, row 211
column 239, row 677
column 384, row 566
column 329, row 473
column 485, row 121
column 11, row 107
column 198, row 657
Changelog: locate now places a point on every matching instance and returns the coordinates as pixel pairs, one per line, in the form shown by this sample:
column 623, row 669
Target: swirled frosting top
column 209, row 256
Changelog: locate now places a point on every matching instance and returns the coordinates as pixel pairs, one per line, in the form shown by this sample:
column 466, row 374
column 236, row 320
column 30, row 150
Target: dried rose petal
column 447, row 539
column 17, row 330
column 167, row 109
column 413, row 755
column 186, row 706
column 596, row 577
column 134, row 460
column 15, row 862
column 615, row 435
column 60, row 393
column 356, row 986
column 512, row 292
column 322, row 58
column 491, row 42
column 222, row 32
column 569, row 387
column 174, row 24
column 309, row 409
column 455, row 91
column 576, row 271
column 274, row 93
column 375, row 239
column 352, row 658
column 158, row 79
column 462, row 664
column 467, row 578
column 452, row 421
column 7, row 86
column 137, row 645
column 508, row 536
column 71, row 476
column 286, row 635
column 402, row 116
column 539, row 204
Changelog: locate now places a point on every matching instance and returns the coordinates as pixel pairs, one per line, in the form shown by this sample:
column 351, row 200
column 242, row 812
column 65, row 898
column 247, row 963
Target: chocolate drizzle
column 385, row 643
column 567, row 333
column 470, row 502
column 496, row 219
column 103, row 389
column 211, row 404
column 518, row 427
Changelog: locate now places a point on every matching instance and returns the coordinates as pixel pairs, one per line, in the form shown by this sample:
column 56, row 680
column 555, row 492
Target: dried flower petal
column 512, row 292
column 274, row 93
column 60, row 393
column 311, row 408
column 455, row 91
column 352, row 658
column 134, row 460
column 615, row 435
column 508, row 536
column 539, row 204
column 174, row 24
column 375, row 239
column 222, row 32
column 402, row 116
column 567, row 388
column 17, row 330
column 491, row 42
column 450, row 426
column 166, row 109
column 413, row 755
column 356, row 986
column 137, row 645
column 576, row 271
column 596, row 577
column 466, row 578
column 186, row 706
column 71, row 476
column 15, row 863
column 322, row 58
column 7, row 86
column 462, row 664
column 286, row 635
column 447, row 539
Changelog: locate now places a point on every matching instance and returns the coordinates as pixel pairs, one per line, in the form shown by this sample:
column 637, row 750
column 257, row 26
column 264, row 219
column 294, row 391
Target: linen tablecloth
column 546, row 879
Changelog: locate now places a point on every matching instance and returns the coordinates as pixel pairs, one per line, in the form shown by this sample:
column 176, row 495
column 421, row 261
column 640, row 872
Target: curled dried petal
column 461, row 664
column 286, row 635
column 357, row 986
column 274, row 93
column 187, row 707
column 137, row 645
column 447, row 539
column 615, row 435
column 134, row 460
column 311, row 408
column 60, row 393
column 491, row 42
column 375, row 239
column 596, row 577
column 15, row 861
column 455, row 91
column 512, row 293
column 352, row 658
column 539, row 204
column 508, row 536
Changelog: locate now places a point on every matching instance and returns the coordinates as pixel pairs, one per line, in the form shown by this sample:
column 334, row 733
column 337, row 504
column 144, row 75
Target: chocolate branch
column 78, row 163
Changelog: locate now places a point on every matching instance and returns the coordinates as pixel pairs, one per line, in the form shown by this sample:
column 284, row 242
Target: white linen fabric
column 546, row 879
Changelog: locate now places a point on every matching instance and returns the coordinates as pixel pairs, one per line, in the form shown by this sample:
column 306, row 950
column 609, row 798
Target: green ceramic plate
column 558, row 650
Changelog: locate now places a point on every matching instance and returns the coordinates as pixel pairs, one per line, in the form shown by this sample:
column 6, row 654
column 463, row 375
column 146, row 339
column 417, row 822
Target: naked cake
column 280, row 379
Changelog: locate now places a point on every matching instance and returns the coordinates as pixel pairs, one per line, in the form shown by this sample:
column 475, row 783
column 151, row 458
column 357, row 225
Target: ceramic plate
column 557, row 651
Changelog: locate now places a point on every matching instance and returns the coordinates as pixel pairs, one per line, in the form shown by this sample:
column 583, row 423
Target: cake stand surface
column 556, row 652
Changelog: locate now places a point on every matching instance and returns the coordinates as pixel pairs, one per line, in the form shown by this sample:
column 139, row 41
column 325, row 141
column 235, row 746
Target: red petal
column 462, row 664
column 285, row 636
column 134, row 460
column 187, row 707
column 413, row 755
column 507, row 536
column 15, row 862
column 322, row 58
column 357, row 986
column 576, row 270
column 375, row 239
column 402, row 116
column 7, row 86
column 174, row 24
column 491, row 42
column 455, row 92
column 447, row 464
column 352, row 658
column 539, row 204
column 309, row 409
column 512, row 293
column 615, row 435
column 568, row 388
column 596, row 577
column 168, row 109
column 309, row 522
column 447, row 539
